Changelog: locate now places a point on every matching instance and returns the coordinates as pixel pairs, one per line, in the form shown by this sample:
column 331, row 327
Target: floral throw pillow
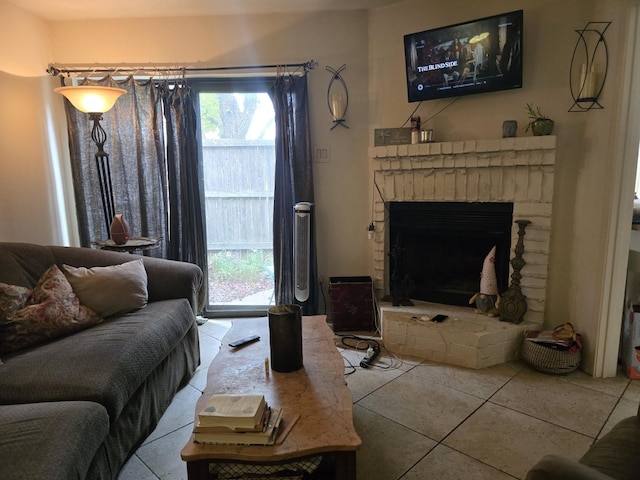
column 52, row 310
column 12, row 299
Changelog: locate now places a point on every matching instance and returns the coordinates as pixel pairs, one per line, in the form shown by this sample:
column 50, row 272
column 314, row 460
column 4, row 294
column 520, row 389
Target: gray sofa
column 614, row 456
column 79, row 405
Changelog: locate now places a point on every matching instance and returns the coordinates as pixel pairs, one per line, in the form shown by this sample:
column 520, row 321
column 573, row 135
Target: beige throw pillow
column 110, row 290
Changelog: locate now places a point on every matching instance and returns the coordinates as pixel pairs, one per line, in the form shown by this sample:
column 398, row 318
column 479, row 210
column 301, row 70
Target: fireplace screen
column 436, row 249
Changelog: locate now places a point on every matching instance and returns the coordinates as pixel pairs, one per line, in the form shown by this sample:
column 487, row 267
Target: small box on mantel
column 351, row 303
column 391, row 136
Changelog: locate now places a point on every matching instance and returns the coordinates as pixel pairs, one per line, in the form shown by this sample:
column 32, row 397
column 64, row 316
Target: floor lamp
column 96, row 101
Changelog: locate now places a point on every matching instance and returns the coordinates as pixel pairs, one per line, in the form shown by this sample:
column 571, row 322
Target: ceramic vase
column 119, row 230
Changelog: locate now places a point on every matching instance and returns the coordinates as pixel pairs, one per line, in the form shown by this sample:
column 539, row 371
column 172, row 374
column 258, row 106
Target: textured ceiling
column 92, row 9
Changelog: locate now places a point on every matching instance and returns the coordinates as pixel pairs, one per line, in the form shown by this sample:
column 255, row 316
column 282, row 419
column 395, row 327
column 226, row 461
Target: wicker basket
column 549, row 360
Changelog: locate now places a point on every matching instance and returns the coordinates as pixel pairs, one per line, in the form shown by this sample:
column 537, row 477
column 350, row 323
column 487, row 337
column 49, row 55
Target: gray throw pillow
column 110, row 290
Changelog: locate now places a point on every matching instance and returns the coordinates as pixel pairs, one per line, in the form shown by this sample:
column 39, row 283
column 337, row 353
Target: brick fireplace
column 515, row 170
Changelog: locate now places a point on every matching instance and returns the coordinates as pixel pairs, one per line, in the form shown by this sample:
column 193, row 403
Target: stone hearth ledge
column 466, row 338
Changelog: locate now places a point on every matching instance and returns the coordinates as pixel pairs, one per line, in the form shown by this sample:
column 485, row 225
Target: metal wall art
column 589, row 65
column 337, row 97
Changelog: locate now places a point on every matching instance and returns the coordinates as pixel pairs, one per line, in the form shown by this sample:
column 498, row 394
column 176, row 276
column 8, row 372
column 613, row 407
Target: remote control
column 244, row 341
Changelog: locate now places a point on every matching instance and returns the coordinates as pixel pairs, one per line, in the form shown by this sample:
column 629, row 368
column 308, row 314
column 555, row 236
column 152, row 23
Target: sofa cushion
column 51, row 310
column 105, row 364
column 23, row 264
column 50, row 440
column 110, row 290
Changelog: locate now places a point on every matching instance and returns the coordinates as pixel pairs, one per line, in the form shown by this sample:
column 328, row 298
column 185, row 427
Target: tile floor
column 427, row 420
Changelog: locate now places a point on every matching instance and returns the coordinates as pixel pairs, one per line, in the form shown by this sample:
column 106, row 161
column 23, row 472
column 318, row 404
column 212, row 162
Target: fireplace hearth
column 437, row 249
column 516, row 171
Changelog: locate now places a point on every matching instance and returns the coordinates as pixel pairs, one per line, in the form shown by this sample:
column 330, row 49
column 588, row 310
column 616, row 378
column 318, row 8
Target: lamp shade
column 91, row 99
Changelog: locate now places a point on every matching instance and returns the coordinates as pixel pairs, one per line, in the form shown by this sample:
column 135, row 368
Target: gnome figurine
column 488, row 298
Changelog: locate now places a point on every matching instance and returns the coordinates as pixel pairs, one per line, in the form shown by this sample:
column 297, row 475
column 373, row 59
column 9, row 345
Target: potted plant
column 540, row 124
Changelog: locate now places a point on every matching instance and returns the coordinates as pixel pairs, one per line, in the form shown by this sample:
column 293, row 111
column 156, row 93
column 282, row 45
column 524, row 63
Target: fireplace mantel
column 491, row 154
column 518, row 170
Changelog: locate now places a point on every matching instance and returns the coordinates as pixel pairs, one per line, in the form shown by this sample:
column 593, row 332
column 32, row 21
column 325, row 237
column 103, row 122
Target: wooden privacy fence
column 238, row 185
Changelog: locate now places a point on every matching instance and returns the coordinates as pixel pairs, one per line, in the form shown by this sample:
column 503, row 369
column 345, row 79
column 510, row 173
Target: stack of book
column 237, row 420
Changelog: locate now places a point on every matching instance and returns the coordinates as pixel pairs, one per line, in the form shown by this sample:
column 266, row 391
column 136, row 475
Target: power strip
column 372, row 354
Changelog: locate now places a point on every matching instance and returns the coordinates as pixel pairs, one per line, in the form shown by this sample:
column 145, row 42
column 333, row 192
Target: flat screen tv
column 483, row 55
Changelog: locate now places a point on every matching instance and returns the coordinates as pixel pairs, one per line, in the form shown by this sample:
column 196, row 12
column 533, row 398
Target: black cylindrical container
column 285, row 337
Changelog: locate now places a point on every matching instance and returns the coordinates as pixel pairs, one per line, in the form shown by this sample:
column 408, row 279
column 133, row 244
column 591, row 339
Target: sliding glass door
column 237, row 133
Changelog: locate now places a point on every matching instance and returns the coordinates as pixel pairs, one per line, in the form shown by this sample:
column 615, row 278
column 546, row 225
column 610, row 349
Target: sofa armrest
column 171, row 279
column 618, row 452
column 555, row 467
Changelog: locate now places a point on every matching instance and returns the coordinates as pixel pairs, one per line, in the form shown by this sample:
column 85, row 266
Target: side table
column 134, row 244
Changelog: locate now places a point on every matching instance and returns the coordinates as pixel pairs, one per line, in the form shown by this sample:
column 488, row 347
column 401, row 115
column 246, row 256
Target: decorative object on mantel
column 415, row 130
column 426, row 136
column 540, row 124
column 337, row 100
column 592, row 62
column 488, row 298
column 391, row 136
column 509, row 128
column 96, row 101
column 120, row 231
column 513, row 304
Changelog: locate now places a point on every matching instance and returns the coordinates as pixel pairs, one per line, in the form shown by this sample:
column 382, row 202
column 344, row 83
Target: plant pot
column 542, row 127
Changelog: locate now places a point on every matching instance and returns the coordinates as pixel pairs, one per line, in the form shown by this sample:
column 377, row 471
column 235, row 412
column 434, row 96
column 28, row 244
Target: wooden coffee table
column 317, row 395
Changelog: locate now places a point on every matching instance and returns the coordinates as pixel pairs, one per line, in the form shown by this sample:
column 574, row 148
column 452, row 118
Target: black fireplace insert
column 437, row 249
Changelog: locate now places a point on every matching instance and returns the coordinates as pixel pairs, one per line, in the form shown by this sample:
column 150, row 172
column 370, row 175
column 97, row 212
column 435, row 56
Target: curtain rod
column 55, row 70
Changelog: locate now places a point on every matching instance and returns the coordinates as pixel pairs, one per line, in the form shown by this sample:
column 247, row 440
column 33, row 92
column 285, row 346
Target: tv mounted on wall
column 483, row 55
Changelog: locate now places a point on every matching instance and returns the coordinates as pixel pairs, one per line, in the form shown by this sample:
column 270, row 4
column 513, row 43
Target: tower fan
column 302, row 249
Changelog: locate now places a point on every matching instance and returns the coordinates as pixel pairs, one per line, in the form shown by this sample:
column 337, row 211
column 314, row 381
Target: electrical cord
column 432, row 116
column 411, row 115
column 369, row 342
column 354, row 342
column 324, row 299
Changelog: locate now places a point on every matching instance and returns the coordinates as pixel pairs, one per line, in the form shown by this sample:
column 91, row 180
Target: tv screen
column 483, row 55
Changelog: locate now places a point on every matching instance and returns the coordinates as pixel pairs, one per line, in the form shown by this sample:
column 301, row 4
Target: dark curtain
column 293, row 184
column 136, row 156
column 156, row 186
column 186, row 206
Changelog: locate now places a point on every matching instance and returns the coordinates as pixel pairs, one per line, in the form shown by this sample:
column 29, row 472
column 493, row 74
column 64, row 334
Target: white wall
column 28, row 205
